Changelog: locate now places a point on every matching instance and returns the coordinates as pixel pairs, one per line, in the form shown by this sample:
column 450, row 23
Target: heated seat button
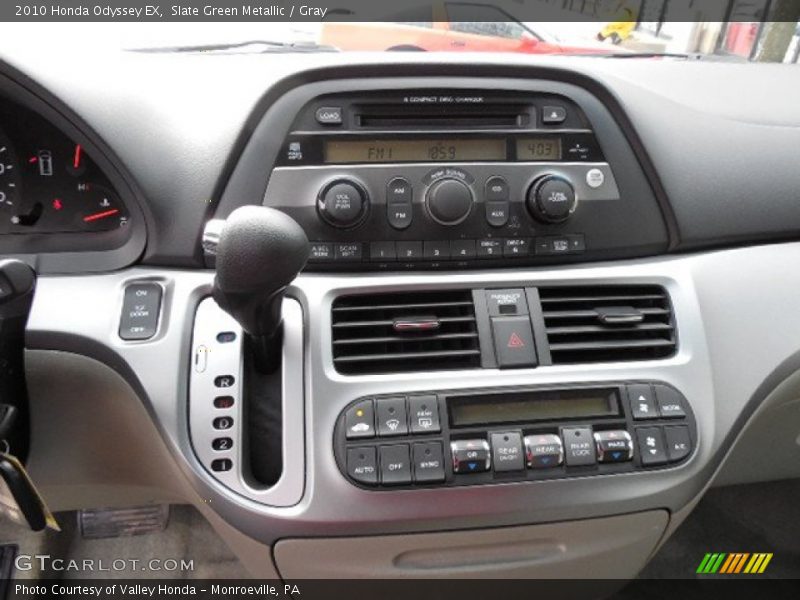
column 424, row 414
column 669, row 402
column 613, row 446
column 651, row 446
column 679, row 444
column 359, row 421
column 362, row 465
column 513, row 342
column 543, row 450
column 391, row 416
column 395, row 465
column 470, row 456
column 643, row 402
column 428, row 462
column 140, row 307
column 507, row 452
column 579, row 449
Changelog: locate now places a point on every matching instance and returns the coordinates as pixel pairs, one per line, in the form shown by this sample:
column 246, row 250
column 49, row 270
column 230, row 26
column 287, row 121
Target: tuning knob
column 449, row 201
column 342, row 203
column 551, row 199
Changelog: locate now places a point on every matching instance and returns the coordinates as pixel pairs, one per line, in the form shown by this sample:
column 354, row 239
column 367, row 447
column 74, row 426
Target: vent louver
column 392, row 333
column 587, row 324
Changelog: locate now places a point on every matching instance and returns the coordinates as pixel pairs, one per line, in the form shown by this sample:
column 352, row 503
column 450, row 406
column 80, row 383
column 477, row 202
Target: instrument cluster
column 49, row 183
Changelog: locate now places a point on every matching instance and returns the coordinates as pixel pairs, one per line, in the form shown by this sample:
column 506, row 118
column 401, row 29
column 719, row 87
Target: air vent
column 590, row 324
column 405, row 332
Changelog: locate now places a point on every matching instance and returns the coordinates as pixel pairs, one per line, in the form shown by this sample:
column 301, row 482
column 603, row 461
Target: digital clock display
column 539, row 148
column 431, row 150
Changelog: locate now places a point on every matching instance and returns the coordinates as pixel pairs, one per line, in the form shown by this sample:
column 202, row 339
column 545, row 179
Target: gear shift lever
column 259, row 252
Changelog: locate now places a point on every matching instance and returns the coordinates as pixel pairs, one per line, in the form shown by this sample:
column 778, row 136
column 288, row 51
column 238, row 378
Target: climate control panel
column 493, row 436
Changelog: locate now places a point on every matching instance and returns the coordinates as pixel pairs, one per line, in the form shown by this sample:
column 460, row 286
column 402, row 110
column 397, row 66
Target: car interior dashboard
column 393, row 315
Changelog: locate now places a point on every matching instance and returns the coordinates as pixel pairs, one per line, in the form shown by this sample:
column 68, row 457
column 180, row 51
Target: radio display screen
column 431, row 150
column 539, row 148
column 532, row 406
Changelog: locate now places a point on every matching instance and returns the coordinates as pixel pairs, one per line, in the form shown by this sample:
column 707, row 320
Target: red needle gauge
column 76, row 158
column 100, row 215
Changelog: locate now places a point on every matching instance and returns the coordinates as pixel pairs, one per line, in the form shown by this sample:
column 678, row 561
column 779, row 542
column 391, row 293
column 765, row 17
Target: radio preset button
column 497, row 212
column 543, row 451
column 449, row 201
column 613, row 446
column 516, row 247
column 409, row 250
column 436, row 250
column 382, row 252
column 579, row 448
column 342, row 204
column 507, row 451
column 462, row 249
column 490, row 248
column 470, row 456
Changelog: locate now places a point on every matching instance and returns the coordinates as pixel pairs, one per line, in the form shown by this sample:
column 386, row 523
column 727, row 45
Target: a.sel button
column 395, row 465
column 428, row 462
column 362, row 465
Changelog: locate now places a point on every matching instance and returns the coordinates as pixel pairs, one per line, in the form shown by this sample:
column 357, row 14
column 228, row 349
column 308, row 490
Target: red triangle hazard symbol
column 514, row 341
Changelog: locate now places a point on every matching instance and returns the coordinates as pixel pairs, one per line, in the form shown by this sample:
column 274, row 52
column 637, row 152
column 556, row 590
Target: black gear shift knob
column 259, row 252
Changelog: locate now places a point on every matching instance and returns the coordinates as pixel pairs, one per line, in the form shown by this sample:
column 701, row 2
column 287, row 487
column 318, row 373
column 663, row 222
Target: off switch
column 140, row 308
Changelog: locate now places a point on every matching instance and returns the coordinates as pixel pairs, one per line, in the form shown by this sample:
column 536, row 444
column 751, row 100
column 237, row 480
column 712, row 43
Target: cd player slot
column 467, row 117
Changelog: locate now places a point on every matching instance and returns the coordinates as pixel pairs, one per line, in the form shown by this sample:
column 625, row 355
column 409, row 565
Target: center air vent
column 587, row 324
column 392, row 333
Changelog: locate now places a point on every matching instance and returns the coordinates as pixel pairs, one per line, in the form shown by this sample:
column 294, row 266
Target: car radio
column 456, row 438
column 455, row 179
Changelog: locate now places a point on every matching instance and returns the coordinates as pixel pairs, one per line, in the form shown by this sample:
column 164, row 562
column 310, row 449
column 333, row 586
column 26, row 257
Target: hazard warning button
column 513, row 342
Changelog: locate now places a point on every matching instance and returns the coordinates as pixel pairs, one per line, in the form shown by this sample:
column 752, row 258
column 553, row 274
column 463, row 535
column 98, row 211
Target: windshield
column 742, row 30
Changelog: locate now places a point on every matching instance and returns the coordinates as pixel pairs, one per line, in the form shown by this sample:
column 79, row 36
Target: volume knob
column 449, row 201
column 551, row 199
column 342, row 203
